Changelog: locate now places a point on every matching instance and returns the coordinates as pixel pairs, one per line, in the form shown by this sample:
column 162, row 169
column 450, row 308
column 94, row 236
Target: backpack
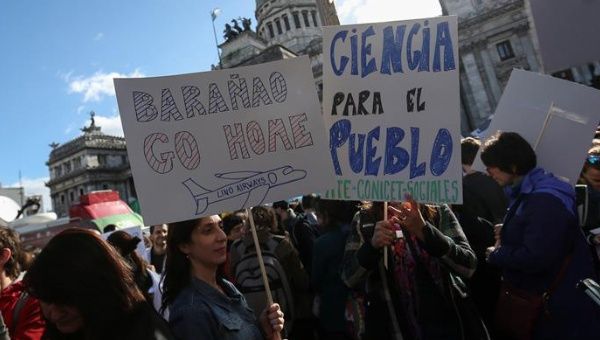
column 249, row 279
column 302, row 222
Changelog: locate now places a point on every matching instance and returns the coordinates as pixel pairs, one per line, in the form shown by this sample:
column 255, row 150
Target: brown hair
column 77, row 268
column 126, row 246
column 9, row 239
column 264, row 218
column 177, row 265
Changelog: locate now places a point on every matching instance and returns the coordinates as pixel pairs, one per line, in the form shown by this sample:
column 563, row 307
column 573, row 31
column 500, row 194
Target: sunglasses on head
column 593, row 159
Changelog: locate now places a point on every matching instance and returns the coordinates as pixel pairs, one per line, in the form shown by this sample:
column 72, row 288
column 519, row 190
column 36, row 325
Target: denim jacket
column 202, row 312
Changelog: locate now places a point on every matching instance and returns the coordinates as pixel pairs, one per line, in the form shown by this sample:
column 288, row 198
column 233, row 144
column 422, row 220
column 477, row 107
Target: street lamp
column 213, row 14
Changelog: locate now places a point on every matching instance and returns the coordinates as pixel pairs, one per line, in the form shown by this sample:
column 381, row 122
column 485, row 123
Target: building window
column 102, row 160
column 76, row 163
column 80, row 191
column 314, row 17
column 270, row 27
column 278, row 25
column 505, row 50
column 67, row 167
column 286, row 22
column 58, row 171
column 296, row 19
column 71, row 196
column 305, row 16
column 62, row 199
column 104, row 186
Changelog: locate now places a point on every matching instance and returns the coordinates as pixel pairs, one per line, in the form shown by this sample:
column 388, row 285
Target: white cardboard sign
column 391, row 107
column 203, row 143
column 557, row 117
column 567, row 32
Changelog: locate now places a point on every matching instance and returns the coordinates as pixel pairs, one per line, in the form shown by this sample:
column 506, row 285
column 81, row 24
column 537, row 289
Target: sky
column 59, row 57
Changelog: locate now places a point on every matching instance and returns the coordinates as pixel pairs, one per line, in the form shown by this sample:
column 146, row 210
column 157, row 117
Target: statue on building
column 229, row 33
column 236, row 26
column 92, row 126
column 246, row 23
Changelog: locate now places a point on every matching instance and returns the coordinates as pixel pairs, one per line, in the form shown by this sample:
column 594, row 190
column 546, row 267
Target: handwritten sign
column 391, row 106
column 203, row 143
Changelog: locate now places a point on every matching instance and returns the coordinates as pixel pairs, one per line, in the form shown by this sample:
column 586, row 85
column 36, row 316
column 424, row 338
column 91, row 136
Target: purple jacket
column 540, row 229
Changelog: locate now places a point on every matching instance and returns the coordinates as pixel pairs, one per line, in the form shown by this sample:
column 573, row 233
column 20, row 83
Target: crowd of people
column 503, row 265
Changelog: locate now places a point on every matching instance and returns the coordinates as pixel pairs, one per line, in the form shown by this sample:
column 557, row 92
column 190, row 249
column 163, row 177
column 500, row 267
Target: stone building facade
column 92, row 161
column 494, row 37
column 285, row 29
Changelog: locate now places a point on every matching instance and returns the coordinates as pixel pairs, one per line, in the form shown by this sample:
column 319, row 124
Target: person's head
column 308, row 202
column 10, row 252
column 335, row 213
column 591, row 168
column 109, row 228
column 126, row 245
column 507, row 157
column 158, row 235
column 193, row 247
column 375, row 210
column 281, row 208
column 468, row 150
column 26, row 259
column 264, row 218
column 82, row 284
column 233, row 226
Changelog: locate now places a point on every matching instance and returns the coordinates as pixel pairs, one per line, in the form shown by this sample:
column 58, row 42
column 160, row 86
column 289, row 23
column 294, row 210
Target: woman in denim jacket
column 201, row 304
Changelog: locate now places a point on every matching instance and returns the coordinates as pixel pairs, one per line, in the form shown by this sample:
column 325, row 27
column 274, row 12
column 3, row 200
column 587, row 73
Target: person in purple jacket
column 539, row 236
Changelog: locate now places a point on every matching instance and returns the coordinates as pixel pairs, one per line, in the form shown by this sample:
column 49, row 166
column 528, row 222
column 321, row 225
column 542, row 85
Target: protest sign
column 557, row 117
column 567, row 32
column 204, row 143
column 391, row 109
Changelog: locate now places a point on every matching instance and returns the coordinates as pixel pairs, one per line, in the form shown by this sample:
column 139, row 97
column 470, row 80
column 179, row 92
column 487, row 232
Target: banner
column 391, row 107
column 204, row 143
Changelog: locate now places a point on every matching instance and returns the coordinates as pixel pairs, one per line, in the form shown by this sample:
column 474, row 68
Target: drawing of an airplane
column 255, row 184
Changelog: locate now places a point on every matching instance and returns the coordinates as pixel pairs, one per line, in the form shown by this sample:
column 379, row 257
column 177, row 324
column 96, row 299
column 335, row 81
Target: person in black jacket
column 87, row 291
column 484, row 205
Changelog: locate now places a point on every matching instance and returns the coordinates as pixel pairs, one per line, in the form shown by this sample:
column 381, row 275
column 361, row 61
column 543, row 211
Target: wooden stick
column 385, row 249
column 539, row 138
column 260, row 258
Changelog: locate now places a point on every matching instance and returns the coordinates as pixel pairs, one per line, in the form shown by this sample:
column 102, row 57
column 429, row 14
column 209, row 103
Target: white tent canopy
column 8, row 209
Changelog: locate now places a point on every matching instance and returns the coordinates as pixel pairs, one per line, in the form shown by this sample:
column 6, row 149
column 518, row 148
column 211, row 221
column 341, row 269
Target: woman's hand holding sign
column 383, row 235
column 408, row 216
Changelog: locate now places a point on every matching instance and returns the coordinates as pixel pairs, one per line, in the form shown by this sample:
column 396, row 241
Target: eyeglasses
column 593, row 159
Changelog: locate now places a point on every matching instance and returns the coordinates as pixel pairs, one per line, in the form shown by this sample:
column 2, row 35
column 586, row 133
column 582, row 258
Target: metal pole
column 213, row 16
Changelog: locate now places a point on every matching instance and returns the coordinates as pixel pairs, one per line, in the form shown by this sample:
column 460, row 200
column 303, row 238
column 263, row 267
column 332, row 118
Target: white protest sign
column 203, row 143
column 134, row 232
column 567, row 32
column 557, row 117
column 391, row 107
